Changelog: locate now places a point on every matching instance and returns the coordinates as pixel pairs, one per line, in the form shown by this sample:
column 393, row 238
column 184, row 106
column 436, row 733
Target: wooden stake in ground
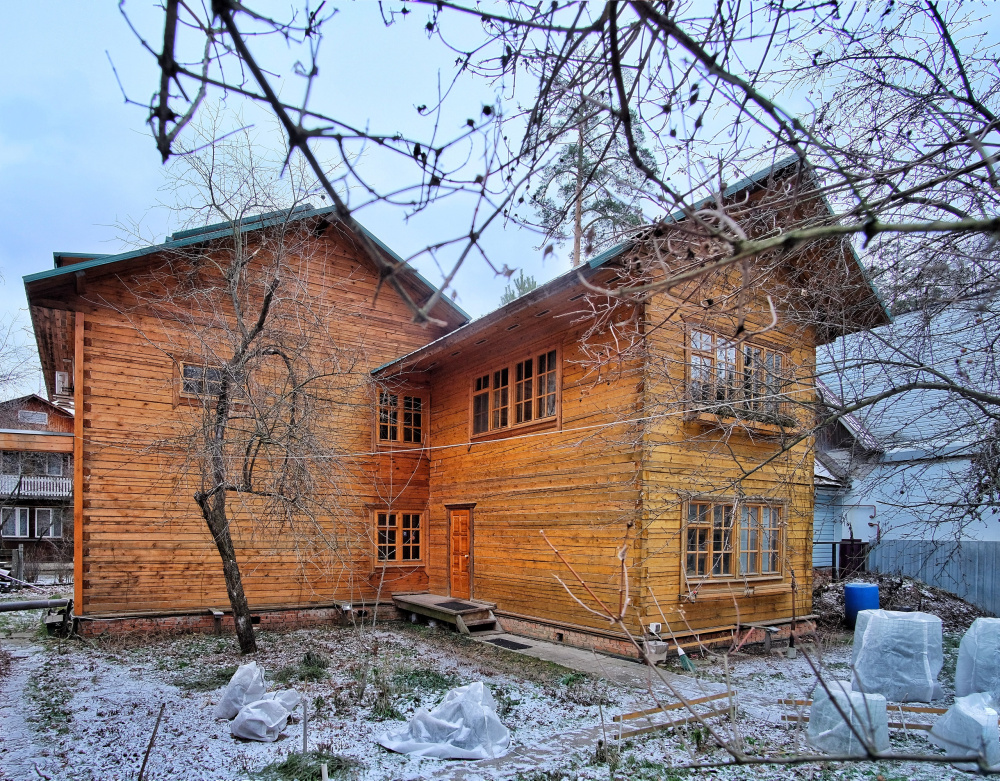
column 305, row 727
column 152, row 738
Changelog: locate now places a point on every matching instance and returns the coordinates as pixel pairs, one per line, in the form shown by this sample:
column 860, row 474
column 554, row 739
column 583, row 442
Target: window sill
column 383, row 444
column 724, row 590
column 397, row 564
column 514, row 431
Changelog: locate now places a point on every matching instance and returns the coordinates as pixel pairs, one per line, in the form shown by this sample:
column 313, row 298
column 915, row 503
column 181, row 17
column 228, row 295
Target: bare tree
column 17, row 360
column 705, row 88
column 262, row 379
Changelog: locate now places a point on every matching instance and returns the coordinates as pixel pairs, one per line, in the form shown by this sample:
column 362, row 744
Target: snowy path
column 21, row 750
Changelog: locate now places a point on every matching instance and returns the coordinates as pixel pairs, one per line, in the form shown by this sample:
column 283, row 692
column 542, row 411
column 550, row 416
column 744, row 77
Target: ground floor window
column 712, row 550
column 14, row 522
column 398, row 536
column 48, row 522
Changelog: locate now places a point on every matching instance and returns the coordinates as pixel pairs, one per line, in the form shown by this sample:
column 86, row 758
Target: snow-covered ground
column 72, row 709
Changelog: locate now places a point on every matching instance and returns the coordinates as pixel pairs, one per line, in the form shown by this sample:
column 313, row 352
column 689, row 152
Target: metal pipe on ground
column 34, row 604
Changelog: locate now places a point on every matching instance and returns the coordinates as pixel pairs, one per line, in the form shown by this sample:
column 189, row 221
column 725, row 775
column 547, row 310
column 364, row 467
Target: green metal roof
column 187, row 238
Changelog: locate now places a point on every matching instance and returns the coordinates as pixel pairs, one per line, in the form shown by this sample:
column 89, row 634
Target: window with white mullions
column 48, row 522
column 14, row 522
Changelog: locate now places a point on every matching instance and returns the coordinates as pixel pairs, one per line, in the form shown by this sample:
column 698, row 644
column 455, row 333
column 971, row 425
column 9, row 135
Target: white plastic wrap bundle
column 255, row 715
column 898, row 655
column 463, row 726
column 969, row 728
column 978, row 667
column 246, row 685
column 866, row 722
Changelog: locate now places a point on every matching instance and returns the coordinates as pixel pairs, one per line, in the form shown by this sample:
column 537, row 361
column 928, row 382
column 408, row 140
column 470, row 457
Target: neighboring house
column 903, row 467
column 633, row 435
column 36, row 480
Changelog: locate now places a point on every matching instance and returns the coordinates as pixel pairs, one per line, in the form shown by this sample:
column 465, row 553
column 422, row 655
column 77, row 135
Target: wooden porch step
column 466, row 615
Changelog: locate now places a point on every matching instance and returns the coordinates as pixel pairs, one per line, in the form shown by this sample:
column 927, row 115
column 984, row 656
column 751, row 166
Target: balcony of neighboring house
column 35, row 487
column 28, row 475
column 746, row 386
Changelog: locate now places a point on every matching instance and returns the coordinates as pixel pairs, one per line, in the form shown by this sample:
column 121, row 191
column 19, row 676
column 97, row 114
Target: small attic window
column 578, row 295
column 512, row 327
column 543, row 313
column 30, row 416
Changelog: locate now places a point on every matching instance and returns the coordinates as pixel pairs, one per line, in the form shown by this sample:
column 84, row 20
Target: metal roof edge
column 220, row 230
column 851, row 422
column 610, row 254
column 539, row 293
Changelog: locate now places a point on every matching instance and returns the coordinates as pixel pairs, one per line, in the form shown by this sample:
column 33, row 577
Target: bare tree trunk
column 578, row 216
column 213, row 508
column 214, row 511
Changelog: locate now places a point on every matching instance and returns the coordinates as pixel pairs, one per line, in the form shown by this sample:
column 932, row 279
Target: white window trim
column 19, row 512
column 55, row 513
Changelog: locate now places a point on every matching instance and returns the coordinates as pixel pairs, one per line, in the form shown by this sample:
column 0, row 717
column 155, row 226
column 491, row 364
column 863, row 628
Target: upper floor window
column 198, row 380
column 515, row 395
column 400, row 418
column 30, row 416
column 15, row 462
column 712, row 552
column 744, row 380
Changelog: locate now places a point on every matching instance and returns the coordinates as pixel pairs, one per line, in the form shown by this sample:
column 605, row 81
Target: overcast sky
column 76, row 162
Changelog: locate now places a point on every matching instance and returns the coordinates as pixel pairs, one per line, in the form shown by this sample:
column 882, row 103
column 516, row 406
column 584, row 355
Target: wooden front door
column 461, row 554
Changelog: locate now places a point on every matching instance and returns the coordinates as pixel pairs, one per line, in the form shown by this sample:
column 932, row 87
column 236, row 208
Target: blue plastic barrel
column 859, row 596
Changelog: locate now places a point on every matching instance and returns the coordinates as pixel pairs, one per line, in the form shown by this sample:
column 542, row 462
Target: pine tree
column 592, row 190
column 518, row 286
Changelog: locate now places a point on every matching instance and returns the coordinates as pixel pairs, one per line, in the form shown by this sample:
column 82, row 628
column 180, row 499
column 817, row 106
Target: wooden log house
column 656, row 448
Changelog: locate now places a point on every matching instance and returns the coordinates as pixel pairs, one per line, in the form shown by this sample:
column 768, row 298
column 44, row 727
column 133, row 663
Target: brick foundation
column 580, row 639
column 272, row 620
column 302, row 618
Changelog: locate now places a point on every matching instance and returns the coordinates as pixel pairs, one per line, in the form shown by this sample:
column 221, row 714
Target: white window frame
column 55, row 522
column 20, row 517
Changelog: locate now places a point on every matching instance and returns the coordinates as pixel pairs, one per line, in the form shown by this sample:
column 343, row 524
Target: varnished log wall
column 145, row 547
column 615, row 473
column 575, row 480
column 717, row 459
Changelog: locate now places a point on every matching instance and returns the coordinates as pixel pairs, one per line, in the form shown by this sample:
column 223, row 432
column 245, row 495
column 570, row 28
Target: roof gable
column 208, row 233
